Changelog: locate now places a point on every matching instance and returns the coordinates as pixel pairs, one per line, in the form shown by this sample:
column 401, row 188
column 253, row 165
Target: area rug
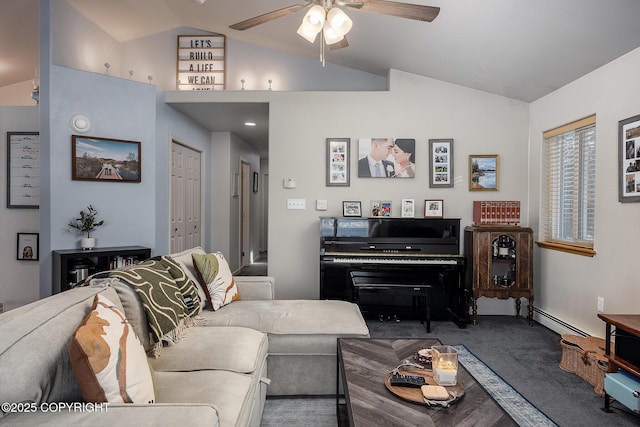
column 519, row 408
column 321, row 411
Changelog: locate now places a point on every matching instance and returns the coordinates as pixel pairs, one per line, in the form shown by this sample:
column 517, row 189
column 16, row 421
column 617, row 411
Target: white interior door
column 185, row 198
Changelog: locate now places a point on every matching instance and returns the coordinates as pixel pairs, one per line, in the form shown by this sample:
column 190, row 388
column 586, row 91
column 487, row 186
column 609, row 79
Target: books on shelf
column 496, row 212
column 119, row 261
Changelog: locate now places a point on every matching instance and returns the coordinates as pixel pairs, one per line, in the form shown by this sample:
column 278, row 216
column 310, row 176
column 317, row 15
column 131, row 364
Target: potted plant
column 85, row 224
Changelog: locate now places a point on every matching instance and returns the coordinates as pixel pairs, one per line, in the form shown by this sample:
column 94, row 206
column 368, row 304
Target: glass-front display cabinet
column 500, row 264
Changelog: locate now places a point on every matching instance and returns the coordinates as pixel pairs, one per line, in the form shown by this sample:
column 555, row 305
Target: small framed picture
column 433, row 208
column 28, row 246
column 350, row 208
column 255, row 182
column 483, row 172
column 408, row 208
column 380, row 208
column 629, row 160
column 338, row 162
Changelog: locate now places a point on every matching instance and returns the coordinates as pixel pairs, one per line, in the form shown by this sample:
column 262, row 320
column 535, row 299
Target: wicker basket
column 585, row 357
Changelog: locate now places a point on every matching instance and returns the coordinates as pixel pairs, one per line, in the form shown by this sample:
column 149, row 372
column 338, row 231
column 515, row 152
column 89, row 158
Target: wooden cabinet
column 67, row 263
column 500, row 264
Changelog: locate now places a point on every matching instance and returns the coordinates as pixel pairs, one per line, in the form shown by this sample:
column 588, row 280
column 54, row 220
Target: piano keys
column 403, row 255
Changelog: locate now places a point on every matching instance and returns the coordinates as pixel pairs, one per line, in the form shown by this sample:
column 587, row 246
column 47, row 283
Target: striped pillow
column 216, row 279
column 107, row 358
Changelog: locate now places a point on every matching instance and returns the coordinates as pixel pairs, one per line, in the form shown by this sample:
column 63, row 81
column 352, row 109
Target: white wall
column 19, row 283
column 17, row 94
column 567, row 285
column 416, row 107
column 227, row 151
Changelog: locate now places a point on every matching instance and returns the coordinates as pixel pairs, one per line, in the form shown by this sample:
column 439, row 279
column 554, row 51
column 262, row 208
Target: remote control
column 407, row 380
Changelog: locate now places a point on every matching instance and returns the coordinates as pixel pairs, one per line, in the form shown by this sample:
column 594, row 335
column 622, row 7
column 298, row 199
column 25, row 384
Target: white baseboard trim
column 557, row 325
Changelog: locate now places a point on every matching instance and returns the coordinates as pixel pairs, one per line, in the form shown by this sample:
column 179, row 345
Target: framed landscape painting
column 105, row 159
column 483, row 172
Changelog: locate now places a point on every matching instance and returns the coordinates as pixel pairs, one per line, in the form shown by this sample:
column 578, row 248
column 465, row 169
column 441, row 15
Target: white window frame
column 568, row 199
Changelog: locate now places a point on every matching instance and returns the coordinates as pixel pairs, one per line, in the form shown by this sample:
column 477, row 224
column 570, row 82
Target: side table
column 627, row 350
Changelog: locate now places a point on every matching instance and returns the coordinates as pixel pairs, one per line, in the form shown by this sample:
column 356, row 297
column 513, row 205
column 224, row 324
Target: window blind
column 570, row 171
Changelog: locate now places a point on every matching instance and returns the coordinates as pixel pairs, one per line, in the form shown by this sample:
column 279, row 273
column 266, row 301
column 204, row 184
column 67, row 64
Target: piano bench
column 384, row 281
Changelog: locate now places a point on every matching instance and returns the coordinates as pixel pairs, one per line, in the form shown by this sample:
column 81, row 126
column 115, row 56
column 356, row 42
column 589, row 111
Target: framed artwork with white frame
column 408, row 208
column 433, row 208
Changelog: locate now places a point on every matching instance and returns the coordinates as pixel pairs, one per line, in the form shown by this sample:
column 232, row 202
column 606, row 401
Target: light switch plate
column 321, row 205
column 296, row 204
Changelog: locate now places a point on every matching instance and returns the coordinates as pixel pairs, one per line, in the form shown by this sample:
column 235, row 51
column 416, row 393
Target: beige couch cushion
column 230, row 348
column 295, row 326
column 125, row 414
column 232, row 394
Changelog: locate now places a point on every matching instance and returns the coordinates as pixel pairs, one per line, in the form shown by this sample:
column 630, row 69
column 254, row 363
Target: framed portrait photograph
column 440, row 163
column 629, row 160
column 338, row 160
column 433, row 208
column 351, row 208
column 105, row 159
column 386, row 158
column 483, row 172
column 28, row 246
column 23, row 170
column 408, row 208
column 380, row 208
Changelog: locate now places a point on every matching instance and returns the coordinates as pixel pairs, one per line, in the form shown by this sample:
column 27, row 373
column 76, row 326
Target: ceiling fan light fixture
column 316, row 16
column 312, row 23
column 339, row 21
column 308, row 32
column 331, row 36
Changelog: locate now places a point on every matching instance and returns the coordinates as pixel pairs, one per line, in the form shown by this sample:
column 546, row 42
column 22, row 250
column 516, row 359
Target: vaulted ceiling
column 522, row 49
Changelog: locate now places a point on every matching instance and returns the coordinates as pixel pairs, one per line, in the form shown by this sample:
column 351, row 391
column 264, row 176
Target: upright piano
column 375, row 261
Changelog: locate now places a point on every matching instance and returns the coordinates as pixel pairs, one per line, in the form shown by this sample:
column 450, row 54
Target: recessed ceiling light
column 249, row 124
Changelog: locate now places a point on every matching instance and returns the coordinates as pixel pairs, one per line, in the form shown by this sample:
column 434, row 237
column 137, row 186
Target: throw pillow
column 216, row 278
column 185, row 284
column 107, row 358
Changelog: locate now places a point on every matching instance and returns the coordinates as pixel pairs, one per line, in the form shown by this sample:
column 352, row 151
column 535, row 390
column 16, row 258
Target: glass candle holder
column 445, row 365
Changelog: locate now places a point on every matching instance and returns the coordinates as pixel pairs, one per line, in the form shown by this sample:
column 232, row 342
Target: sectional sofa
column 215, row 370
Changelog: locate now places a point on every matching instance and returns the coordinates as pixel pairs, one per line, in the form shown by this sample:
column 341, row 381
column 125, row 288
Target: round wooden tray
column 414, row 395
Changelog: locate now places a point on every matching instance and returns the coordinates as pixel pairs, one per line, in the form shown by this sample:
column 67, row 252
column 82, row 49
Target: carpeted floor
column 524, row 356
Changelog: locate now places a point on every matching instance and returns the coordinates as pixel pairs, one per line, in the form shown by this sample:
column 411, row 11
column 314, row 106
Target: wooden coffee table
column 363, row 364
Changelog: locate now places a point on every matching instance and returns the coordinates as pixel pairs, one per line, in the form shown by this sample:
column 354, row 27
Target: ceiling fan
column 333, row 24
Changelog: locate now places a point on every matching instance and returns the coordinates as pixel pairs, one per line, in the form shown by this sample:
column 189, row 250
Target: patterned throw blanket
column 170, row 298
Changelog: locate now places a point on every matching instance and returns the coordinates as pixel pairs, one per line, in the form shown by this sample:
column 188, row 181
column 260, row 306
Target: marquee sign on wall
column 201, row 62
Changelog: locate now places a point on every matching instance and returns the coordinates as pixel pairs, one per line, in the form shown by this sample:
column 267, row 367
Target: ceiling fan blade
column 270, row 16
column 351, row 4
column 339, row 45
column 402, row 10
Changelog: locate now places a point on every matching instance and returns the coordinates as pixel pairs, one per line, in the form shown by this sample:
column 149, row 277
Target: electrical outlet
column 296, row 204
column 601, row 304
